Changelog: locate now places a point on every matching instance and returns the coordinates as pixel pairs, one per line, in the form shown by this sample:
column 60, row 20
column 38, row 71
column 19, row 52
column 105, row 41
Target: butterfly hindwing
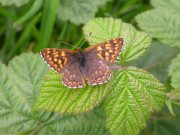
column 72, row 76
column 56, row 58
column 108, row 51
column 96, row 71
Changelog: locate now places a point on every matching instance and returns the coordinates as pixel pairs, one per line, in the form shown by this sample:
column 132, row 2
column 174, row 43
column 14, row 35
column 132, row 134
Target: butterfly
column 79, row 67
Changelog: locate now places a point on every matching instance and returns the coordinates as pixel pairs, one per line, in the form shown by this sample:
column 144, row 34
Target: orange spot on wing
column 106, row 53
column 111, row 51
column 116, row 52
column 59, row 61
column 107, row 58
column 63, row 54
column 65, row 61
column 99, row 48
column 80, row 83
column 56, row 55
column 55, row 59
column 100, row 55
column 108, row 45
column 74, row 83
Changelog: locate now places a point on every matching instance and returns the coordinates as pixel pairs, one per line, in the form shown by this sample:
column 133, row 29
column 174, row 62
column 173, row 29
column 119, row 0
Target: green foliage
column 57, row 97
column 35, row 7
column 79, row 11
column 135, row 42
column 163, row 21
column 134, row 95
column 141, row 93
column 48, row 20
column 157, row 59
column 19, row 89
column 85, row 124
column 163, row 123
column 17, row 3
column 128, row 101
column 174, row 72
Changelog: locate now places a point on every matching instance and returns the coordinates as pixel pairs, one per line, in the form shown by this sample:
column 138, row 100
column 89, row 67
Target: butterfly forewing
column 56, row 58
column 63, row 61
column 108, row 51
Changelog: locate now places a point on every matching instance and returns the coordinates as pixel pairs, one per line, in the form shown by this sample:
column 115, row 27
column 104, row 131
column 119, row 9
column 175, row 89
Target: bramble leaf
column 82, row 124
column 19, row 84
column 55, row 96
column 79, row 11
column 174, row 72
column 19, row 88
column 103, row 29
column 163, row 21
column 135, row 94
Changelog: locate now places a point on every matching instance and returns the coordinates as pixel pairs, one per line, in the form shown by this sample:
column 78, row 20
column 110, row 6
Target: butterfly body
column 81, row 66
column 81, row 57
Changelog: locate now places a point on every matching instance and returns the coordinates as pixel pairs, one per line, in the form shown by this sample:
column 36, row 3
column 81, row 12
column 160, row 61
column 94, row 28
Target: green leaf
column 157, row 63
column 103, row 29
column 174, row 72
column 79, row 11
column 169, row 106
column 19, row 84
column 163, row 21
column 55, row 96
column 163, row 123
column 134, row 95
column 174, row 95
column 82, row 124
column 17, row 3
column 19, row 88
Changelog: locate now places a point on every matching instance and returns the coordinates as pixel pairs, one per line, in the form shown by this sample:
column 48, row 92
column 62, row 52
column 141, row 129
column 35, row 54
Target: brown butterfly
column 89, row 65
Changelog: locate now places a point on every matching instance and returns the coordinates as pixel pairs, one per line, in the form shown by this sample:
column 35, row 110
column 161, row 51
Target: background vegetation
column 142, row 99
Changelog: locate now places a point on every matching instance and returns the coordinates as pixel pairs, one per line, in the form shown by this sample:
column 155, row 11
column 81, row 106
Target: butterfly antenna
column 85, row 40
column 66, row 43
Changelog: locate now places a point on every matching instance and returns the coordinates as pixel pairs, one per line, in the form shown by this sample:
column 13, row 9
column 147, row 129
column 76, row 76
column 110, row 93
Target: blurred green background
column 43, row 22
column 31, row 25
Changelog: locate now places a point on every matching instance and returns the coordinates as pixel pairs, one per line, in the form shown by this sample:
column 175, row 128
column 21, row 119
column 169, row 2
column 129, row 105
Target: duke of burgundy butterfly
column 90, row 65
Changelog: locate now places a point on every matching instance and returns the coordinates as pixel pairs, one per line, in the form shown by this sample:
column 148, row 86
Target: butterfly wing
column 71, row 74
column 62, row 61
column 108, row 51
column 56, row 58
column 96, row 71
